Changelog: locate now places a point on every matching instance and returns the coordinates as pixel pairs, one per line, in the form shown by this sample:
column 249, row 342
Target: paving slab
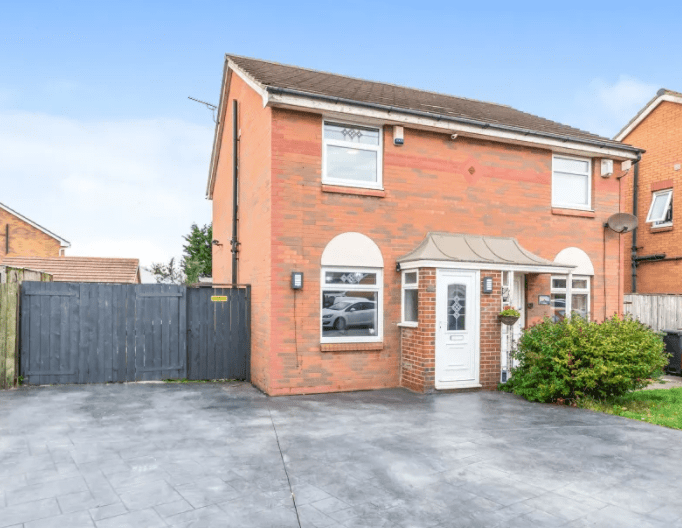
column 206, row 454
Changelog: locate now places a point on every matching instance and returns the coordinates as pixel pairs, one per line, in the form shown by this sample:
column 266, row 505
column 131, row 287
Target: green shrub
column 574, row 358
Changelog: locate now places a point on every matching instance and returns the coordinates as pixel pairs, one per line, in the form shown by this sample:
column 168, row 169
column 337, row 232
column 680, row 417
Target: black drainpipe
column 635, row 183
column 235, row 175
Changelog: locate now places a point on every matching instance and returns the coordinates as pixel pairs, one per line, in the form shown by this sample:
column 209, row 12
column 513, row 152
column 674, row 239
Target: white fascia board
column 492, row 134
column 560, row 270
column 253, row 83
column 230, row 67
column 218, row 132
column 62, row 242
column 652, row 106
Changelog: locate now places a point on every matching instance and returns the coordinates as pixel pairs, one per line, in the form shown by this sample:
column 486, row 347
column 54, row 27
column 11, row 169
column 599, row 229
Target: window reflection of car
column 330, row 297
column 559, row 306
column 347, row 312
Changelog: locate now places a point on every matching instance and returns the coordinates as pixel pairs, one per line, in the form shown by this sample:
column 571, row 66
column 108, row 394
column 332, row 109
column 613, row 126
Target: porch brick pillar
column 490, row 343
column 418, row 345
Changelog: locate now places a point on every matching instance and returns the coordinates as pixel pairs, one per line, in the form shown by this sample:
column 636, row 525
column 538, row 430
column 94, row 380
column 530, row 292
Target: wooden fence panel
column 98, row 333
column 660, row 312
column 9, row 317
column 219, row 338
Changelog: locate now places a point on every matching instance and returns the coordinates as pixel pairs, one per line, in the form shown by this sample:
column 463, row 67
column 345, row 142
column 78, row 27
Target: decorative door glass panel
column 457, row 307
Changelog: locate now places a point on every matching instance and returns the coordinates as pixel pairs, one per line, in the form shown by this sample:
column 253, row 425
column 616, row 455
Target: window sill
column 584, row 213
column 351, row 347
column 358, row 191
column 408, row 325
column 662, row 229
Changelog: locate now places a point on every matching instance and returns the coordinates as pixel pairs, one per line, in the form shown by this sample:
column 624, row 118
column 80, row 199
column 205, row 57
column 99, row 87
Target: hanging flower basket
column 509, row 316
column 509, row 320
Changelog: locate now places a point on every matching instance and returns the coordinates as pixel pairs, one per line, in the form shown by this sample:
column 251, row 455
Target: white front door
column 457, row 329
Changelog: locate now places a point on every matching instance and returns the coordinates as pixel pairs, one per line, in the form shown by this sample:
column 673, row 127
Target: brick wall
column 418, row 345
column 491, row 332
column 24, row 239
column 430, row 184
column 660, row 133
column 254, row 218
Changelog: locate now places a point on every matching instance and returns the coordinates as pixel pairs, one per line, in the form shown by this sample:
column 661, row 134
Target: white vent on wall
column 606, row 168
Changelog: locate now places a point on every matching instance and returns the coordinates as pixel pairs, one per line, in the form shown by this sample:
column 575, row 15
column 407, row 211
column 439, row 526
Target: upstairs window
column 661, row 210
column 351, row 155
column 571, row 183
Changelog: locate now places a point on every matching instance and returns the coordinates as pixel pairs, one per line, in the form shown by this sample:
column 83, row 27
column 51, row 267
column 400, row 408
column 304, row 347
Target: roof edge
column 275, row 90
column 661, row 96
column 62, row 241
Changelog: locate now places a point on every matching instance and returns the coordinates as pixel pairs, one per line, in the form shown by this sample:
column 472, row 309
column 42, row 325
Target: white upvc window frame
column 660, row 221
column 571, row 290
column 408, row 286
column 378, row 287
column 379, row 149
column 567, row 205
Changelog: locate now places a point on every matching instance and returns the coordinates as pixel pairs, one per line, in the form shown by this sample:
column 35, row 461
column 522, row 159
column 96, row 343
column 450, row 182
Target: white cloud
column 115, row 188
column 605, row 107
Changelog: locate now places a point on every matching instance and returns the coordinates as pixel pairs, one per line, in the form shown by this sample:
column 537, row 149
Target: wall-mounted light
column 297, row 280
column 397, row 266
column 487, row 284
column 216, row 243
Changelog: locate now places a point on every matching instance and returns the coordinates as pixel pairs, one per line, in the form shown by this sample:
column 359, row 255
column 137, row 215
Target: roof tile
column 81, row 269
column 271, row 74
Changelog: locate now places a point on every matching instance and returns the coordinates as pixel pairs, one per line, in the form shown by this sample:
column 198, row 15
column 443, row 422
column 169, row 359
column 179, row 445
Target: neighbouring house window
column 351, row 155
column 571, row 182
column 351, row 305
column 410, row 297
column 579, row 300
column 661, row 210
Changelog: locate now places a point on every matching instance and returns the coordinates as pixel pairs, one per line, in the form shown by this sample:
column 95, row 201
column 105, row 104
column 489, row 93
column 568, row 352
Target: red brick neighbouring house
column 413, row 217
column 20, row 236
column 657, row 241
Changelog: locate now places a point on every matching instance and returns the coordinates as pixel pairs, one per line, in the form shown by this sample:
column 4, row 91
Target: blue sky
column 102, row 146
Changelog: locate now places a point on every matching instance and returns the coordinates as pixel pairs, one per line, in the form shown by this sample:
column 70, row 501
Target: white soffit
column 578, row 258
column 352, row 250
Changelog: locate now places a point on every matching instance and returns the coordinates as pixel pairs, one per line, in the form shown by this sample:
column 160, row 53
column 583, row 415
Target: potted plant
column 509, row 316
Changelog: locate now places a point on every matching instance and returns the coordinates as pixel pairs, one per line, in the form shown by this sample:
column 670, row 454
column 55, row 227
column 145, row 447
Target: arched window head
column 354, row 250
column 576, row 257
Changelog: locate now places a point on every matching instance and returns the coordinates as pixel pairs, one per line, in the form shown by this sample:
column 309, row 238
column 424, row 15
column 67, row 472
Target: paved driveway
column 207, row 455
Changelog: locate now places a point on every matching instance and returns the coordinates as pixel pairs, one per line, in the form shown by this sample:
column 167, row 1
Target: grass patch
column 660, row 406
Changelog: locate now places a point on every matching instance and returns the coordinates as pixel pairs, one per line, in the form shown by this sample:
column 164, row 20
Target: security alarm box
column 398, row 135
column 606, row 168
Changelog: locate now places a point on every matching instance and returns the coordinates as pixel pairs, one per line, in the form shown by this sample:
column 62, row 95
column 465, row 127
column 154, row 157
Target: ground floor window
column 577, row 302
column 351, row 305
column 410, row 301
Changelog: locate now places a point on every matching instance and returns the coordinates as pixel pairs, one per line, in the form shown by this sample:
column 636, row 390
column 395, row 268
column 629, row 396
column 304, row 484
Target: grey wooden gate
column 219, row 333
column 94, row 333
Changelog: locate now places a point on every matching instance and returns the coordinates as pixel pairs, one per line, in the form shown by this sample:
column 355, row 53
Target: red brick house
column 20, row 236
column 649, row 193
column 383, row 228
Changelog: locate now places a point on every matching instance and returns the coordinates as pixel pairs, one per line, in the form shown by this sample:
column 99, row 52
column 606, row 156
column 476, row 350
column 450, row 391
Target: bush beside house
column 576, row 358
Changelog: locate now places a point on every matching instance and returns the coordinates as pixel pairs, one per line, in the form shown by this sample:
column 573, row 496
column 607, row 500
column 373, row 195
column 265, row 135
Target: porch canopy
column 457, row 250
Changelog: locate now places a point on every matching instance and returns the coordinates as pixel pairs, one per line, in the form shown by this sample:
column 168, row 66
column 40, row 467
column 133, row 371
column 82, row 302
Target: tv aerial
column 210, row 106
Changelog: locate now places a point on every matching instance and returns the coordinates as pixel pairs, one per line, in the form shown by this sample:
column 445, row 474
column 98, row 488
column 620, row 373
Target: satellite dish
column 622, row 222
